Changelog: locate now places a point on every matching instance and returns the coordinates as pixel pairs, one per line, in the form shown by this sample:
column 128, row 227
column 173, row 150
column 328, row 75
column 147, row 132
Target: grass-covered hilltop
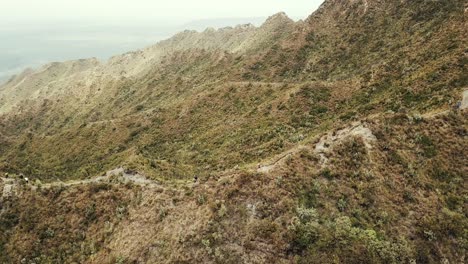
column 338, row 139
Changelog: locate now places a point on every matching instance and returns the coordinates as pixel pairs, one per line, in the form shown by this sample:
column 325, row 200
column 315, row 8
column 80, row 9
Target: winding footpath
column 325, row 145
column 116, row 176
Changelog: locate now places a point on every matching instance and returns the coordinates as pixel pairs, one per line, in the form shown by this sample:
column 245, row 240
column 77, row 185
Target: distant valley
column 31, row 46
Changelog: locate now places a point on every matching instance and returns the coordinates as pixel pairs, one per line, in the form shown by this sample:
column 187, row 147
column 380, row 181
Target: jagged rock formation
column 341, row 138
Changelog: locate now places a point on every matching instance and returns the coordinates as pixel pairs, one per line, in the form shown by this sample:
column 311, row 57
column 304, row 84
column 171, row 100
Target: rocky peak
column 209, row 30
column 278, row 18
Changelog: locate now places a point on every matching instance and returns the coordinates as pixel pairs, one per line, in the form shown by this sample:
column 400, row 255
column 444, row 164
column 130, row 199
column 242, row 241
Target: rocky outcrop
column 464, row 102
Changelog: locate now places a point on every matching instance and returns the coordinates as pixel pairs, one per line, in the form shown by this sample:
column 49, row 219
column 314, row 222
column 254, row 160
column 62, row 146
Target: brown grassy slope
column 410, row 51
column 402, row 199
column 361, row 192
column 204, row 110
column 194, row 122
column 153, row 119
column 193, row 110
column 60, row 224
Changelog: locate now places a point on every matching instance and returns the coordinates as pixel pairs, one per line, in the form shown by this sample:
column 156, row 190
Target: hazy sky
column 18, row 11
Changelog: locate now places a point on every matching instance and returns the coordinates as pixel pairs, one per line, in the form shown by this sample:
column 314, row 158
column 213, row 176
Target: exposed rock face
column 327, row 142
column 464, row 102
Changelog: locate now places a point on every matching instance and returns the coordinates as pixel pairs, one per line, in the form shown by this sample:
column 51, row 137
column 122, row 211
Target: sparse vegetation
column 227, row 133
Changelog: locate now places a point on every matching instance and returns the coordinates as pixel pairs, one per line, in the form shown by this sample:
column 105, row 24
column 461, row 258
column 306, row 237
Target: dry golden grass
column 391, row 189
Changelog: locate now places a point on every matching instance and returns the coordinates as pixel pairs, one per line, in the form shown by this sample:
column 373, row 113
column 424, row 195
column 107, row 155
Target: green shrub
column 305, row 228
column 427, row 145
column 327, row 174
column 138, row 108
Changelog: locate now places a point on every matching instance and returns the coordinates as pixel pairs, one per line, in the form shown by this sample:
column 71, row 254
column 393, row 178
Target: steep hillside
column 331, row 140
column 176, row 102
column 387, row 190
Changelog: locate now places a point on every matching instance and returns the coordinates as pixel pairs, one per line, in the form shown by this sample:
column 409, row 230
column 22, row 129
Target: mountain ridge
column 137, row 61
column 335, row 139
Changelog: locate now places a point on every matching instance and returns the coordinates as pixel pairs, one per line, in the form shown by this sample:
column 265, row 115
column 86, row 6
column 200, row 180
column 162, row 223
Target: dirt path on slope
column 265, row 168
column 116, row 176
column 324, row 146
column 331, row 139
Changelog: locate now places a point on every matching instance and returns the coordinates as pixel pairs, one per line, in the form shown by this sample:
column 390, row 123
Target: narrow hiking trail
column 116, row 176
column 357, row 129
column 265, row 168
column 322, row 148
column 121, row 176
column 324, row 145
column 461, row 105
column 328, row 141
